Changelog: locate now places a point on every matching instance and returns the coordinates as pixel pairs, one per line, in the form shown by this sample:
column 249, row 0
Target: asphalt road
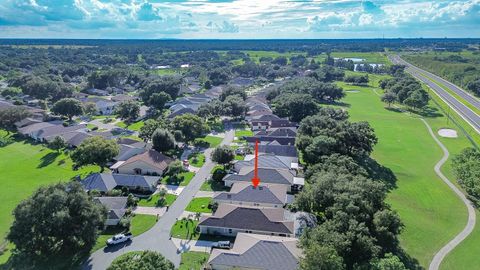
column 466, row 113
column 158, row 237
column 445, row 250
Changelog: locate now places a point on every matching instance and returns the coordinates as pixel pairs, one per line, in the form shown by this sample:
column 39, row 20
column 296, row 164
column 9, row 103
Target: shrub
column 218, row 174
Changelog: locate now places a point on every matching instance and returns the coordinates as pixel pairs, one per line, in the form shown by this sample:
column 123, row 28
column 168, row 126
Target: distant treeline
column 312, row 46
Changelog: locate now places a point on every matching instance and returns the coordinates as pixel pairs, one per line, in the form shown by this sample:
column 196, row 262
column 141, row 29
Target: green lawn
column 196, row 159
column 154, row 200
column 199, row 204
column 210, row 185
column 24, row 168
column 182, row 179
column 133, row 126
column 239, row 157
column 243, row 132
column 193, row 260
column 213, row 141
column 138, row 225
column 91, row 126
column 185, row 229
column 431, row 212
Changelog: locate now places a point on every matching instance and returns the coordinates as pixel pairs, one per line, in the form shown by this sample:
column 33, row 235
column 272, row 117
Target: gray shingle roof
column 280, row 150
column 105, row 182
column 267, row 255
column 267, row 160
column 246, row 218
column 244, row 192
column 266, row 175
column 116, row 206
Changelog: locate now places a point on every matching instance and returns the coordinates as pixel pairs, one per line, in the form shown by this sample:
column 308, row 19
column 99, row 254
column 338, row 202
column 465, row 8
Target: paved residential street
column 466, row 113
column 158, row 237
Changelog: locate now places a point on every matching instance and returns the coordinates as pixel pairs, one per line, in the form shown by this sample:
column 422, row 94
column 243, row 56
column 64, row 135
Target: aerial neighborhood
column 228, row 155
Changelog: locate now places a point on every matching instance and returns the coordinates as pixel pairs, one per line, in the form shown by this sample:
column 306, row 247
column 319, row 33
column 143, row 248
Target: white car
column 119, row 238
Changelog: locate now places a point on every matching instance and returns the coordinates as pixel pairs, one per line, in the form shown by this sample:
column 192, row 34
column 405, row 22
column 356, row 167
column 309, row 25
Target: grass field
column 431, row 212
column 154, row 200
column 193, row 260
column 199, row 204
column 138, row 225
column 24, row 168
column 182, row 179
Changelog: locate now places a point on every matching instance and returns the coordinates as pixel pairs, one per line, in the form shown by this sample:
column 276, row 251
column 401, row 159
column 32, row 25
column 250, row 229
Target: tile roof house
column 105, row 182
column 267, row 176
column 264, row 195
column 149, row 163
column 230, row 219
column 116, row 208
column 253, row 251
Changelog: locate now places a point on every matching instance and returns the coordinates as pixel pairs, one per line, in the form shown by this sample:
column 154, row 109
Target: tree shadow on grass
column 48, row 159
column 379, row 172
column 394, row 109
column 430, row 112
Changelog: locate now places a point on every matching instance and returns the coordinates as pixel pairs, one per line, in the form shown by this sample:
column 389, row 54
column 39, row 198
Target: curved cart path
column 445, row 250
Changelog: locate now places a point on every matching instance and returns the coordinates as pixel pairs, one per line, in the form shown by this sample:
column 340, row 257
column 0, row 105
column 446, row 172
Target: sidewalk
column 192, row 245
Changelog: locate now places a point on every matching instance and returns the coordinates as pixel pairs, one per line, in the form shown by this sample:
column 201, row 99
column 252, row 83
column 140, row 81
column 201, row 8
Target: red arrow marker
column 255, row 179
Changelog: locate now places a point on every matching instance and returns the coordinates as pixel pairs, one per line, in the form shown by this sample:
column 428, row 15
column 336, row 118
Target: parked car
column 119, row 238
column 186, row 163
column 222, row 244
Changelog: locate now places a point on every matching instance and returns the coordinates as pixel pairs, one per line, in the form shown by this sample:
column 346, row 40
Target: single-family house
column 256, row 251
column 116, row 208
column 284, row 177
column 268, row 160
column 264, row 195
column 230, row 219
column 127, row 151
column 72, row 138
column 105, row 182
column 278, row 149
column 149, row 163
column 26, row 122
column 267, row 121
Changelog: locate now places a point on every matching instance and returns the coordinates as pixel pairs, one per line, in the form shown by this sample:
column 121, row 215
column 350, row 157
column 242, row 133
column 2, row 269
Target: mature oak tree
column 55, row 228
column 163, row 140
column 142, row 260
column 95, row 151
column 68, row 107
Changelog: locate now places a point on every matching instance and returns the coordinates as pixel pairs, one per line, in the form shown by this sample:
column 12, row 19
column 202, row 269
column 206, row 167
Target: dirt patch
column 447, row 133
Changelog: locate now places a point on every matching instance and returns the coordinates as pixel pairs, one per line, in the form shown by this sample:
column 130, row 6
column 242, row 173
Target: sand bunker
column 448, row 133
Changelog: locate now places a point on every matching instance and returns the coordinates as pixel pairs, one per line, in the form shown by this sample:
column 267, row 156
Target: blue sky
column 238, row 19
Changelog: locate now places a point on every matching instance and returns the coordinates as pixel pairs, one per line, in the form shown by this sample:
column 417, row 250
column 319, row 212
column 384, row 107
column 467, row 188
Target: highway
column 465, row 112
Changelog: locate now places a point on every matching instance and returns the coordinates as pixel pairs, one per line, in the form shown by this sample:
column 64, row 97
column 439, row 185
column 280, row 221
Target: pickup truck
column 119, row 238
